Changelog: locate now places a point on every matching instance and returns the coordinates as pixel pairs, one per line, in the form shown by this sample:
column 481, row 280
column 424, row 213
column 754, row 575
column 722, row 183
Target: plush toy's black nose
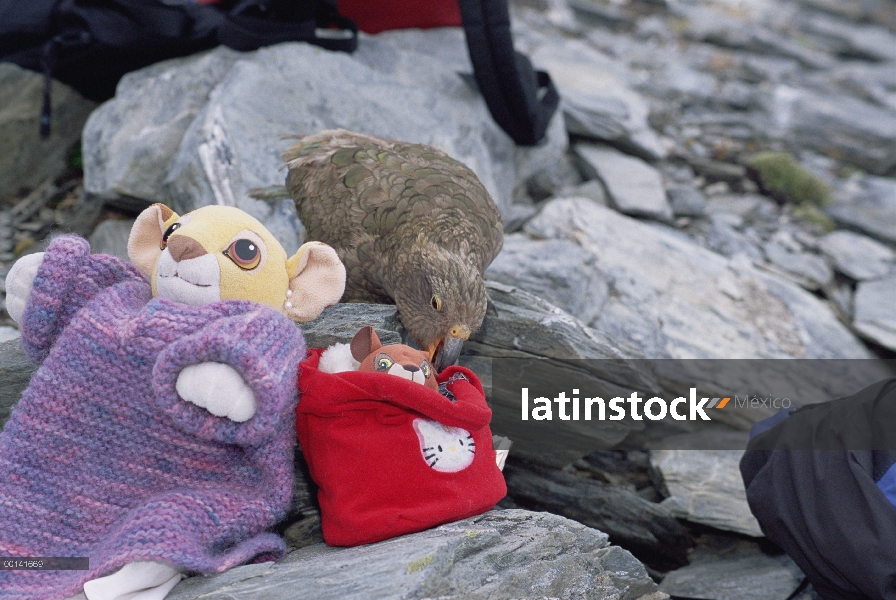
column 410, row 368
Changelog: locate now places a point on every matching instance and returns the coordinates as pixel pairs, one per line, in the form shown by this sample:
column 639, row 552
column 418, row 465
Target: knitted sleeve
column 68, row 278
column 264, row 346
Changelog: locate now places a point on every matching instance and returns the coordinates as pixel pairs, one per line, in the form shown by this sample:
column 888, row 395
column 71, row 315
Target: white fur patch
column 195, row 281
column 338, row 359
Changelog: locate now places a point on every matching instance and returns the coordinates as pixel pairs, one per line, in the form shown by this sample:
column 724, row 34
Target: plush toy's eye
column 426, row 368
column 382, row 362
column 245, row 253
column 167, row 234
column 436, row 302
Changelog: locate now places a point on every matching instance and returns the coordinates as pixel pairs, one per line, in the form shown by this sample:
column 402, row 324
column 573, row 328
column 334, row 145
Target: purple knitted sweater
column 101, row 458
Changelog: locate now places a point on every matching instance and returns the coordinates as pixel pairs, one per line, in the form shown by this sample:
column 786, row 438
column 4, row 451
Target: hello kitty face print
column 445, row 449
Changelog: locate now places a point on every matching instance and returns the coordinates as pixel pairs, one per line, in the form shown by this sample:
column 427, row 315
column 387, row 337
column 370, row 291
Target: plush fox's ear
column 365, row 343
column 144, row 243
column 316, row 280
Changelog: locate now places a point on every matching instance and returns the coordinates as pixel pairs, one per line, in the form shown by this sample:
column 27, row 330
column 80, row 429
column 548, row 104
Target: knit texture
column 101, row 458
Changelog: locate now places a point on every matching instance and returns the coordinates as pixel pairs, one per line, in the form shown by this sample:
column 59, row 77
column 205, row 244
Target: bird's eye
column 436, row 302
column 382, row 363
column 245, row 253
column 164, row 243
column 425, row 368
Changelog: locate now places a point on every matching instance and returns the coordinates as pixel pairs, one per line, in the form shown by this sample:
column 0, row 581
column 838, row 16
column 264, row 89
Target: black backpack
column 91, row 44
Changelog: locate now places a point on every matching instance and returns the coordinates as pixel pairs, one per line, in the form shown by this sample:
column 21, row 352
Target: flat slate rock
column 857, row 256
column 705, row 487
column 734, row 569
column 597, row 102
column 874, row 314
column 859, row 132
column 501, row 554
column 634, row 187
column 808, row 270
column 647, row 529
column 869, row 207
column 559, row 271
column 671, row 298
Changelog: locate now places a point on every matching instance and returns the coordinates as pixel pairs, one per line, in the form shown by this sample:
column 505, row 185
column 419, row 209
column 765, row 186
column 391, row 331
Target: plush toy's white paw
column 219, row 389
column 141, row 580
column 18, row 284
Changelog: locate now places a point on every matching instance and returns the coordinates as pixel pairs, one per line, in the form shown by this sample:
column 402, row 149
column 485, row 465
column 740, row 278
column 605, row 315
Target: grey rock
column 501, row 554
column 9, row 333
column 724, row 238
column 546, row 182
column 728, row 568
column 593, row 190
column 808, row 270
column 746, row 206
column 686, row 201
column 634, row 187
column 302, row 533
column 868, row 205
column 646, row 529
column 874, row 314
column 709, row 24
column 15, row 373
column 672, row 298
column 338, row 324
column 212, row 142
column 129, row 141
column 559, row 271
column 868, row 42
column 111, row 237
column 26, row 160
column 597, row 103
column 840, row 295
column 686, row 81
column 705, row 487
column 856, row 255
column 859, row 132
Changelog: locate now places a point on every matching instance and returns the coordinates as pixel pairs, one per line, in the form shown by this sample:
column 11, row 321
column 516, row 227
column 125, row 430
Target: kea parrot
column 413, row 226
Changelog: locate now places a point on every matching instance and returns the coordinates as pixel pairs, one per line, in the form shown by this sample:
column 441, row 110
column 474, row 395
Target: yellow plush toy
column 221, row 253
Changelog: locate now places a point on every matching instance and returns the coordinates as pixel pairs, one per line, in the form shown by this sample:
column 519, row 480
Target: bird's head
column 441, row 301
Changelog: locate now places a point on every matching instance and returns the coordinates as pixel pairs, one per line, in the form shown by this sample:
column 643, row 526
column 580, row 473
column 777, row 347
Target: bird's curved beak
column 447, row 350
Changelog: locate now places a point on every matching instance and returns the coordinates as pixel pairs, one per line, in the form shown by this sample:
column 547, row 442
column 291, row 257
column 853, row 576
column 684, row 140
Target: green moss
column 812, row 214
column 781, row 176
column 420, row 564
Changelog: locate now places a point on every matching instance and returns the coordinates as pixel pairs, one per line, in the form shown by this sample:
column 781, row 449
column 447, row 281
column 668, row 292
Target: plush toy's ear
column 316, row 280
column 146, row 237
column 365, row 343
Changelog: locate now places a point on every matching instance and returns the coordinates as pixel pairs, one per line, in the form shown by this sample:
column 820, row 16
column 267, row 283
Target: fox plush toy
column 366, row 353
column 157, row 434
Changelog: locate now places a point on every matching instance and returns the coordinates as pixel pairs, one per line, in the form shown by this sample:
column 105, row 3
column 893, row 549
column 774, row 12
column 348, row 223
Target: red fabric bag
column 380, row 447
column 382, row 15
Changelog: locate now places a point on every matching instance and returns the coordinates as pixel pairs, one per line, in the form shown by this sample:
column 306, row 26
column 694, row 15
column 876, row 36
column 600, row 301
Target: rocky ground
column 719, row 183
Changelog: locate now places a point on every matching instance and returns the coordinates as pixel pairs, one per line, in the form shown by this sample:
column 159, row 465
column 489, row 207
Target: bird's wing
column 382, row 197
